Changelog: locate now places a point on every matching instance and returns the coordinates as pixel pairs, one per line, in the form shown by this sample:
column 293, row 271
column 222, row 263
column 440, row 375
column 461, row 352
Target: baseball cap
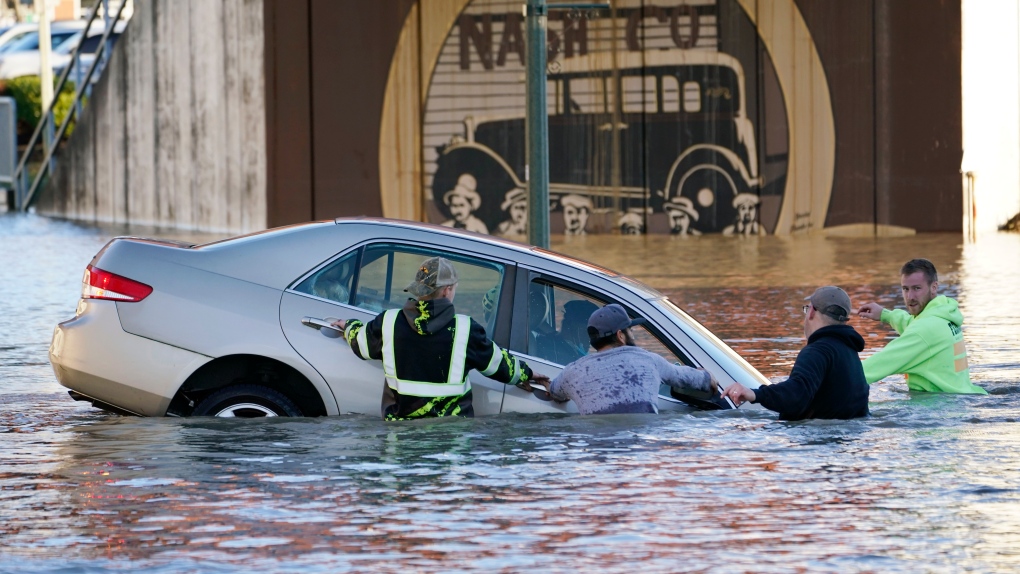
column 433, row 273
column 608, row 320
column 831, row 296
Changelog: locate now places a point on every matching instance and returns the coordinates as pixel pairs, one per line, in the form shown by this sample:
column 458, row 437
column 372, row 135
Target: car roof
column 481, row 238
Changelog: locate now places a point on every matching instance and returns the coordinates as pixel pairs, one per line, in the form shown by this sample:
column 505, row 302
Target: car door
column 364, row 282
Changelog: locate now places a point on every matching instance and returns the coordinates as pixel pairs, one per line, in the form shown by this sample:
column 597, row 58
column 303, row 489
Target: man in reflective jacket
column 427, row 350
column 930, row 350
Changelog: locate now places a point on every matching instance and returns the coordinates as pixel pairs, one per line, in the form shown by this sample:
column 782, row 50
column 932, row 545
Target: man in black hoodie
column 827, row 380
column 427, row 356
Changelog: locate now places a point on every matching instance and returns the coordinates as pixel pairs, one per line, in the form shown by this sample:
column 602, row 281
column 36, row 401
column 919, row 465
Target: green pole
column 537, row 125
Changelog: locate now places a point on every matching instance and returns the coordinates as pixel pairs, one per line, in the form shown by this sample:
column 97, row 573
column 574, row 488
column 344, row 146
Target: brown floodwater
column 927, row 483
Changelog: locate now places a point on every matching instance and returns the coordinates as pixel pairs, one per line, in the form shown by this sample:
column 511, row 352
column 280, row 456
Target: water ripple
column 927, row 483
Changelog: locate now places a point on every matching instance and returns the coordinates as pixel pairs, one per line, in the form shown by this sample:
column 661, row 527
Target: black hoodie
column 827, row 380
column 423, row 345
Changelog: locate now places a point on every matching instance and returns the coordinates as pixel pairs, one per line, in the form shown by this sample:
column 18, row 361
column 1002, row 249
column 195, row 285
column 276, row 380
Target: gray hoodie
column 624, row 380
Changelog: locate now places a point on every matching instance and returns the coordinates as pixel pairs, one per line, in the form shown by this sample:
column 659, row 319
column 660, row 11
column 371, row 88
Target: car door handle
column 324, row 326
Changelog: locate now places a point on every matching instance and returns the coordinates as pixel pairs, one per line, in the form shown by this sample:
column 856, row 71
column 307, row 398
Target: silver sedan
column 235, row 327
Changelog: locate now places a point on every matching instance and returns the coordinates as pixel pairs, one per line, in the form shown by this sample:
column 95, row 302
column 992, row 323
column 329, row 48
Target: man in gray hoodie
column 620, row 377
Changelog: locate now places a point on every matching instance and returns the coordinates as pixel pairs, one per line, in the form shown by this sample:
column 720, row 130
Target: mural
column 665, row 117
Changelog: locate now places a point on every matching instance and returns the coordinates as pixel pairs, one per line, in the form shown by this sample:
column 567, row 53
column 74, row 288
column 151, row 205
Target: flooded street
column 927, row 483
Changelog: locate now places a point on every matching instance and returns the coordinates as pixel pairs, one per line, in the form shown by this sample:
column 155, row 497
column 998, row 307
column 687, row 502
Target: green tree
column 27, row 94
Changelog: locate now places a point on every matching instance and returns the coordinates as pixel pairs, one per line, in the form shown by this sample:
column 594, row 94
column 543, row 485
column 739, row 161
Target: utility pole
column 536, row 115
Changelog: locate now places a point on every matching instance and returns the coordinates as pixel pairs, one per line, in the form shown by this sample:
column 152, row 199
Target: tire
column 247, row 401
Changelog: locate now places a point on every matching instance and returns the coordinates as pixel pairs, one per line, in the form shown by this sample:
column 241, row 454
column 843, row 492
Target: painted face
column 917, row 292
column 574, row 219
column 519, row 212
column 679, row 222
column 746, row 212
column 460, row 208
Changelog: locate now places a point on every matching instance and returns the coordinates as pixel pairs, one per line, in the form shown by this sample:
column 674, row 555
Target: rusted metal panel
column 288, row 111
column 844, row 35
column 921, row 85
column 352, row 45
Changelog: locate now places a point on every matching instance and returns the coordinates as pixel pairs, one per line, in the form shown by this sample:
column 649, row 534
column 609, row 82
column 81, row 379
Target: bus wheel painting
column 710, row 179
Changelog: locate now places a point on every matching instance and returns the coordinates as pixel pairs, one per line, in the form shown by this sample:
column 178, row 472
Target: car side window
column 333, row 281
column 387, row 269
column 558, row 322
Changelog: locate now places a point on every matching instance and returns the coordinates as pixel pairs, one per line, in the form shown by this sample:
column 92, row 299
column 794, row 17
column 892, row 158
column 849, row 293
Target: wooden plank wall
column 174, row 135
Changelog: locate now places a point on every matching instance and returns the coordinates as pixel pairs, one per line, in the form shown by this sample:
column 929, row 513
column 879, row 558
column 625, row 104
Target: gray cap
column 831, row 296
column 608, row 320
column 433, row 273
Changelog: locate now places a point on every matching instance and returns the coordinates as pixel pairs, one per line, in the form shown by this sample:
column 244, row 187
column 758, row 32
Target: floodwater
column 927, row 483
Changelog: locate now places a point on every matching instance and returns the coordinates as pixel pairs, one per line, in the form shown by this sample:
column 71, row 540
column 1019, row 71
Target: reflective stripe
column 516, row 371
column 497, row 356
column 456, row 382
column 389, row 360
column 458, row 358
column 961, row 364
column 362, row 339
column 420, row 389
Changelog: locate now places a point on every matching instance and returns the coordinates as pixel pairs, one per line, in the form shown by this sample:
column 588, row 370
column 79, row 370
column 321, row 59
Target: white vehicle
column 232, row 328
column 22, row 57
column 10, row 36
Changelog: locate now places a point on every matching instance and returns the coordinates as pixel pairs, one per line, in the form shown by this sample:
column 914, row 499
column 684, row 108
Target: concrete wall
column 174, row 134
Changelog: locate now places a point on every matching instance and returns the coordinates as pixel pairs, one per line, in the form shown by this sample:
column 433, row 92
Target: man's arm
column 898, row 356
column 365, row 339
column 792, row 397
column 556, row 390
column 697, row 383
column 498, row 363
column 897, row 319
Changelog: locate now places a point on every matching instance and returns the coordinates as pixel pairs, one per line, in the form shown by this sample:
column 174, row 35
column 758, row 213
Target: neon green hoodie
column 930, row 350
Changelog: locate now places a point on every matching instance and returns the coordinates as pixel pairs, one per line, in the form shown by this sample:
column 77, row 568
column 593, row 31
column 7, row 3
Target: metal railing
column 26, row 186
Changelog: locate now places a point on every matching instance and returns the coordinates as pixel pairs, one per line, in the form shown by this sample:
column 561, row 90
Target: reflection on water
column 927, row 483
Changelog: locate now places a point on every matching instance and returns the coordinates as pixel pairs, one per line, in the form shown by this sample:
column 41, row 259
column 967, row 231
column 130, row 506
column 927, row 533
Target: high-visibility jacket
column 930, row 350
column 427, row 351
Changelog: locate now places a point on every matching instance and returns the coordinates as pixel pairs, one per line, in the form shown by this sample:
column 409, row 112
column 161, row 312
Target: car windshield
column 13, row 41
column 68, row 44
column 31, row 41
column 710, row 343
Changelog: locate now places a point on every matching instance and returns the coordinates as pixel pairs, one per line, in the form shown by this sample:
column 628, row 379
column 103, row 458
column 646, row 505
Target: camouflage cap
column 433, row 274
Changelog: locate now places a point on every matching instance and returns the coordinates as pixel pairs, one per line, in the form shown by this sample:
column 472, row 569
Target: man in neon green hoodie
column 930, row 350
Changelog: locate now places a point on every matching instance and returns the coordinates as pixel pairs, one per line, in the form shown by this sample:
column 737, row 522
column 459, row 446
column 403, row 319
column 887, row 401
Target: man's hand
column 536, row 379
column 739, row 394
column 713, row 385
column 871, row 311
column 340, row 324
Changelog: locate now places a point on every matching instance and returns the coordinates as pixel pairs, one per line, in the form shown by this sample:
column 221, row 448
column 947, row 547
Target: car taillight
column 99, row 284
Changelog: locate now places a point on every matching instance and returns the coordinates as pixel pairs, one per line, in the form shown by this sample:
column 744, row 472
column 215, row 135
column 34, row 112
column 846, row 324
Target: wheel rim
column 246, row 410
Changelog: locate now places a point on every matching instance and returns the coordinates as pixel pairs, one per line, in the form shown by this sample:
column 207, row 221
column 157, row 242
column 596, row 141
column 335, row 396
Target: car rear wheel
column 247, row 401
